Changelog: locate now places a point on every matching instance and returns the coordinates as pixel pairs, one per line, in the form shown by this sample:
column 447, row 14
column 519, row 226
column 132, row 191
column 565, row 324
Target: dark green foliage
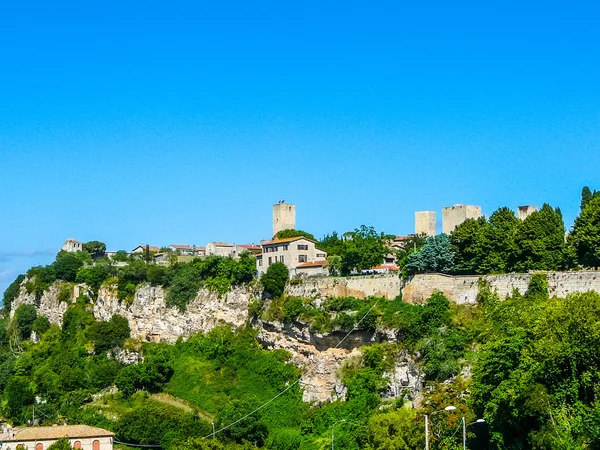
column 40, row 325
column 541, row 241
column 275, row 279
column 155, row 423
column 332, row 244
column 96, row 249
column 587, row 195
column 157, row 275
column 152, row 375
column 435, row 256
column 76, row 318
column 129, row 277
column 585, row 237
column 251, row 429
column 24, row 318
column 364, row 250
column 538, row 285
column 67, row 265
column 12, row 292
column 108, row 335
column 94, row 276
column 290, row 233
column 120, row 256
column 61, row 444
column 18, row 394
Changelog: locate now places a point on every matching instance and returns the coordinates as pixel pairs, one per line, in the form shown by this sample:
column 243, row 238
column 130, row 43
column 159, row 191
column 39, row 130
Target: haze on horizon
column 184, row 122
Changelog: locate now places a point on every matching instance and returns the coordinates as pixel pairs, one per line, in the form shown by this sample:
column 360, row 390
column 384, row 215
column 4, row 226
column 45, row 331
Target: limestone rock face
column 48, row 305
column 320, row 379
column 152, row 320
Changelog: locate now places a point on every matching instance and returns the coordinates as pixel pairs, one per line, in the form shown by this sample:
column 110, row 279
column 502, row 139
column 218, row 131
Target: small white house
column 40, row 438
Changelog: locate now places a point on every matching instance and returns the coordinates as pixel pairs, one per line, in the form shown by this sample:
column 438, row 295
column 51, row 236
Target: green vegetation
column 274, row 279
column 361, row 249
column 289, row 233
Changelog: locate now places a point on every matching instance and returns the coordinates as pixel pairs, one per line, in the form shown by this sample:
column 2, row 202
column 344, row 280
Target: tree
column 587, row 195
column 332, row 244
column 61, row 444
column 363, row 249
column 24, row 318
column 291, row 233
column 18, row 394
column 108, row 335
column 500, row 242
column 541, row 241
column 468, row 243
column 96, row 249
column 435, row 256
column 12, row 292
column 40, row 325
column 66, row 265
column 275, row 279
column 585, row 236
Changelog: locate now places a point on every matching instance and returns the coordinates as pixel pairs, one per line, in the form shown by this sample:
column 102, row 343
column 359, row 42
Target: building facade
column 219, row 249
column 526, row 211
column 425, row 223
column 293, row 252
column 40, row 438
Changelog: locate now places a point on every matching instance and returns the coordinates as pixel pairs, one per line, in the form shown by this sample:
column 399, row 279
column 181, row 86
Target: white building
column 294, row 253
column 40, row 438
column 71, row 245
column 219, row 249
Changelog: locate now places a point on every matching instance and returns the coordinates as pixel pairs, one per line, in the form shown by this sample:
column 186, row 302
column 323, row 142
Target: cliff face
column 150, row 319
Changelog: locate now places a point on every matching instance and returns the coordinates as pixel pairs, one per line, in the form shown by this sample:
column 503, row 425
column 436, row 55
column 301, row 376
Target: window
column 39, row 446
column 320, row 255
column 77, row 444
column 285, row 247
column 302, row 247
column 260, row 261
column 281, row 259
column 302, row 258
column 96, row 445
column 270, row 260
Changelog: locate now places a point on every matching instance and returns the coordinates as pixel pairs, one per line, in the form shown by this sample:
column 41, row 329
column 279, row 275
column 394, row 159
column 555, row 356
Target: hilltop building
column 142, row 248
column 71, row 245
column 284, row 217
column 40, row 438
column 299, row 254
column 219, row 249
column 453, row 216
column 526, row 211
column 425, row 223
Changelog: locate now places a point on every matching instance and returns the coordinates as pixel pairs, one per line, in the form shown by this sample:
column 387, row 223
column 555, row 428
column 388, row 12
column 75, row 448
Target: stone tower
column 526, row 211
column 284, row 217
column 453, row 216
column 425, row 222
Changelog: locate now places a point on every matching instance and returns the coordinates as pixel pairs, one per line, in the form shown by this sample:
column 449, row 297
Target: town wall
column 464, row 289
column 387, row 286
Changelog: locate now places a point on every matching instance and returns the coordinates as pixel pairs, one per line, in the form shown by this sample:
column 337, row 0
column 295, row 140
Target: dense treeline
column 503, row 243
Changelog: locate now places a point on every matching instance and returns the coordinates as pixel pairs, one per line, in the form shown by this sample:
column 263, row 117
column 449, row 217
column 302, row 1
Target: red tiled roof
column 40, row 433
column 392, row 267
column 313, row 264
column 283, row 241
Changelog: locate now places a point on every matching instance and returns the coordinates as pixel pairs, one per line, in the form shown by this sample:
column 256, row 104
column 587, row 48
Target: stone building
column 293, row 252
column 425, row 223
column 219, row 249
column 40, row 438
column 453, row 216
column 71, row 245
column 526, row 211
column 284, row 217
column 142, row 248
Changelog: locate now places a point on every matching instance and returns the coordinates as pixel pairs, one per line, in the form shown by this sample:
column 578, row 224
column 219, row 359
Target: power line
column 291, row 385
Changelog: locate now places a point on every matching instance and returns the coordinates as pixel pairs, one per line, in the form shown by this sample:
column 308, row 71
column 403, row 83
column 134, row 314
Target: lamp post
column 465, row 425
column 447, row 408
column 332, row 429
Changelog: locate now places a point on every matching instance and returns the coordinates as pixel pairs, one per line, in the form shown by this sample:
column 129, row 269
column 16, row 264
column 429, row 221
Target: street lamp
column 447, row 408
column 465, row 425
column 333, row 428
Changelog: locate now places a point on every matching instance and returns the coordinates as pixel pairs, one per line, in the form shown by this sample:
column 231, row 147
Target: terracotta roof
column 40, row 433
column 221, row 244
column 180, row 246
column 283, row 241
column 392, row 267
column 153, row 248
column 313, row 264
column 252, row 246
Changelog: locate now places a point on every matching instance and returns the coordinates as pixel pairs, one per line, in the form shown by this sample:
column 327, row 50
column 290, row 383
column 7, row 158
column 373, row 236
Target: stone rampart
column 464, row 289
column 387, row 286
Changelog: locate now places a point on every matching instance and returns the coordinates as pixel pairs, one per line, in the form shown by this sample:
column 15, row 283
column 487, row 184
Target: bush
column 108, row 335
column 275, row 279
column 40, row 325
column 12, row 292
column 25, row 315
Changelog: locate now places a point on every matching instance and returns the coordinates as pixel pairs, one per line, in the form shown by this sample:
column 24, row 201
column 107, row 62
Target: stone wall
column 387, row 286
column 463, row 289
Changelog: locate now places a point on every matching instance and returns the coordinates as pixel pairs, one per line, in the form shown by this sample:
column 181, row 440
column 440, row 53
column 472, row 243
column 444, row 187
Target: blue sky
column 183, row 122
